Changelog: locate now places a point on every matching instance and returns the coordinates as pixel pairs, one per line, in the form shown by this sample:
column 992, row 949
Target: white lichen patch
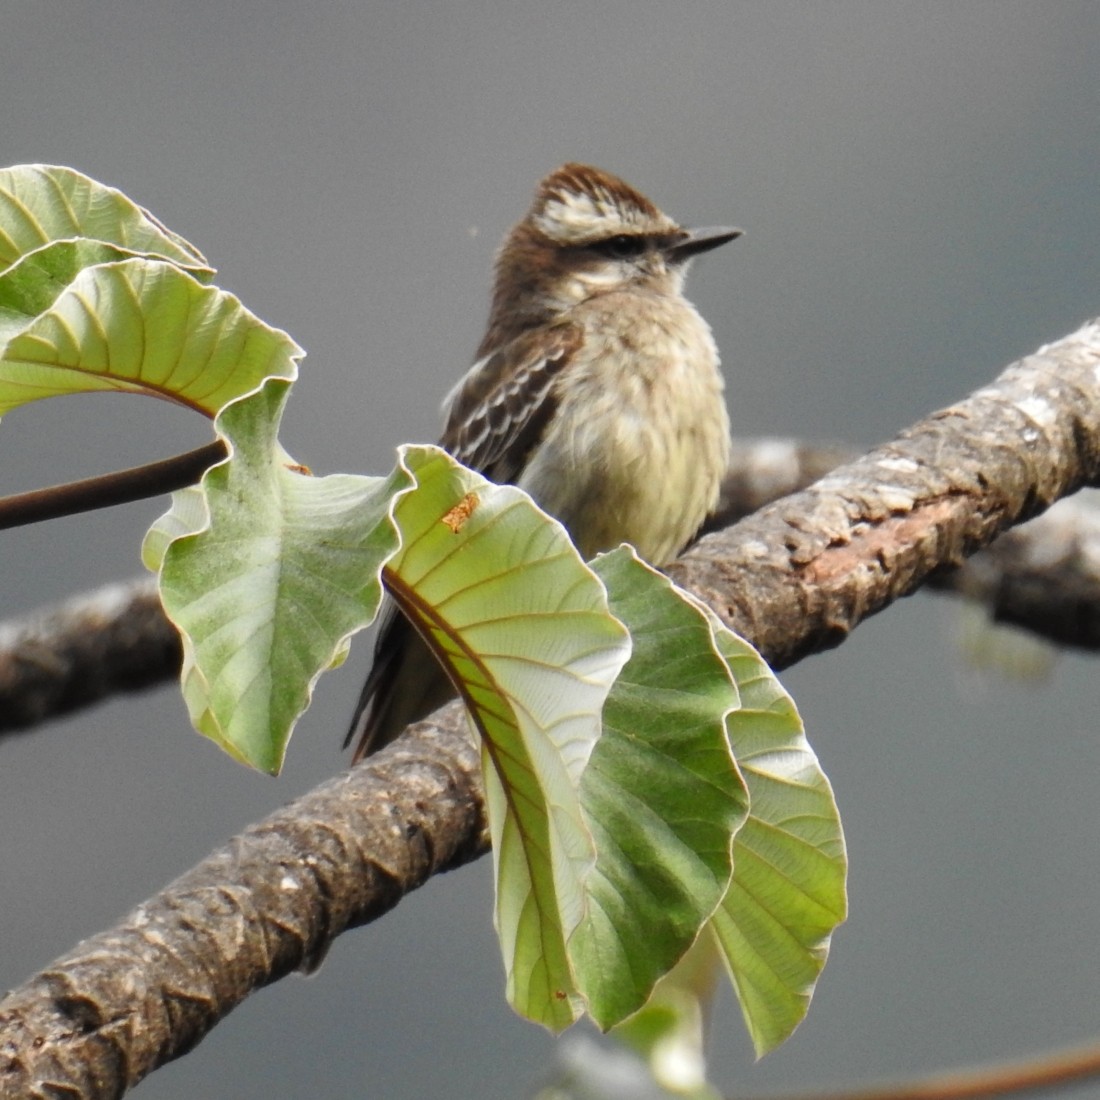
column 898, row 464
column 1039, row 408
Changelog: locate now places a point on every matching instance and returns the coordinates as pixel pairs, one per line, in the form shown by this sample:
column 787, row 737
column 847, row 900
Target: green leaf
column 40, row 203
column 670, row 1031
column 34, row 282
column 267, row 571
column 524, row 627
column 97, row 295
column 135, row 326
column 790, row 866
column 662, row 793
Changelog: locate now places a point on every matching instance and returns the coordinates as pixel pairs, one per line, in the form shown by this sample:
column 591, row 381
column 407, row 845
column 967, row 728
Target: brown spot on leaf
column 456, row 518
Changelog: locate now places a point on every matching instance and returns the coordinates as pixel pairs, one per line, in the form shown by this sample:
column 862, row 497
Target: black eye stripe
column 620, row 247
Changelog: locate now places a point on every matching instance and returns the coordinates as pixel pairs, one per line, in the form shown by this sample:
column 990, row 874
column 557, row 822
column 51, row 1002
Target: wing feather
column 492, row 420
column 499, row 410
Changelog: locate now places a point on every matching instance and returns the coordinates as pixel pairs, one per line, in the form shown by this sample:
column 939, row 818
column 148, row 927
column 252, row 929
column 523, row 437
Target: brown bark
column 99, row 1019
column 800, row 574
column 114, row 639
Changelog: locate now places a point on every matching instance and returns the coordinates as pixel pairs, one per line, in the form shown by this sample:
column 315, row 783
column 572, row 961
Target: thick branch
column 127, row 1000
column 114, row 639
column 797, row 576
column 794, row 578
column 1043, row 576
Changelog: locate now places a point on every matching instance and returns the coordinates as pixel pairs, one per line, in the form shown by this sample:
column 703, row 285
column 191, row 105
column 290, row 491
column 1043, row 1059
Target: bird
column 596, row 389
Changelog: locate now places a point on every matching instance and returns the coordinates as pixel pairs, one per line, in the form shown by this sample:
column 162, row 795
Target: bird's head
column 588, row 233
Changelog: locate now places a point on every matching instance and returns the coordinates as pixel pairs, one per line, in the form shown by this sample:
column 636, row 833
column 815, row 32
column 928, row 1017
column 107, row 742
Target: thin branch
column 1058, row 1069
column 794, row 578
column 122, row 487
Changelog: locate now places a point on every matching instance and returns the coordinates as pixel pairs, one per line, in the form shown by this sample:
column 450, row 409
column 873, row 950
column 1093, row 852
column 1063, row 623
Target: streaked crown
column 577, row 203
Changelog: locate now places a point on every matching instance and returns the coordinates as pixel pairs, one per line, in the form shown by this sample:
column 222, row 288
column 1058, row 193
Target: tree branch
column 116, row 638
column 107, row 490
column 799, row 575
column 1057, row 1069
column 1043, row 576
column 123, row 1002
column 795, row 578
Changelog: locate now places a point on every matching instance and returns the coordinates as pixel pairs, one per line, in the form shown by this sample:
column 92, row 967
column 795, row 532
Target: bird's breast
column 640, row 440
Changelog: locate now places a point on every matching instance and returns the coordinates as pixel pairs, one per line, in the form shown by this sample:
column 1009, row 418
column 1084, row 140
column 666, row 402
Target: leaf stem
column 107, row 490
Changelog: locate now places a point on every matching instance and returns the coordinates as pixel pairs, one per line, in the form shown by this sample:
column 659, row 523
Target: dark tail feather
column 406, row 683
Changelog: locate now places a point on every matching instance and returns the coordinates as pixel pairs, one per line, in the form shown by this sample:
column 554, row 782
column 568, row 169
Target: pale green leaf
column 524, row 627
column 790, row 866
column 266, row 571
column 142, row 326
column 34, row 282
column 670, row 1030
column 662, row 793
column 40, row 203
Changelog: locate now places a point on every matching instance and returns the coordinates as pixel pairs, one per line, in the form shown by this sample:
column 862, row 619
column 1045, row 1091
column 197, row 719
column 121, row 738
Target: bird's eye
column 621, row 247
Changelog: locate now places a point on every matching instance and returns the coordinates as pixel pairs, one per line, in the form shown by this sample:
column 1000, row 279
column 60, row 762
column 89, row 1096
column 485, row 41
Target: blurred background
column 918, row 189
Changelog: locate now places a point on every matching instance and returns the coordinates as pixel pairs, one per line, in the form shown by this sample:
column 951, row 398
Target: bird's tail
column 406, row 683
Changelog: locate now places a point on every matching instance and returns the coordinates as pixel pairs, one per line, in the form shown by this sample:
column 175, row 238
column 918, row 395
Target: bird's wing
column 499, row 410
column 493, row 418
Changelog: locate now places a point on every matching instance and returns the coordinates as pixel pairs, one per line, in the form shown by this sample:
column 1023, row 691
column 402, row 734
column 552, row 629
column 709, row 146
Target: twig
column 106, row 490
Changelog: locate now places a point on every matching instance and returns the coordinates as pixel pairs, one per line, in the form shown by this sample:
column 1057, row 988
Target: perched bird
column 596, row 389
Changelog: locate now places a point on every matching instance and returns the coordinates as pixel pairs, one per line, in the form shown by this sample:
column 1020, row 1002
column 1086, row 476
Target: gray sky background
column 918, row 187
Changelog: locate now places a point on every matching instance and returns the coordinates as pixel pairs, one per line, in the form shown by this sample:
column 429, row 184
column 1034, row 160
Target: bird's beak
column 698, row 241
